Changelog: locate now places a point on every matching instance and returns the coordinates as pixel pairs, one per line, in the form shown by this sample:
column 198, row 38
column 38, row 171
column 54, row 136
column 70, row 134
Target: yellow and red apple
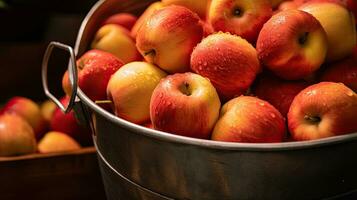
column 54, row 141
column 16, row 135
column 292, row 44
column 116, row 40
column 130, row 90
column 144, row 16
column 185, row 104
column 339, row 24
column 125, row 20
column 323, row 110
column 200, row 7
column 244, row 18
column 249, row 119
column 30, row 111
column 168, row 38
column 228, row 61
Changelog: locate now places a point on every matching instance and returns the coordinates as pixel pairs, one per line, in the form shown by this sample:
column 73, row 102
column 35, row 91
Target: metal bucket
column 140, row 163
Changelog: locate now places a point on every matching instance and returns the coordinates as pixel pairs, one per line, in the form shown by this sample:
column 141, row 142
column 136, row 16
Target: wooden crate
column 67, row 175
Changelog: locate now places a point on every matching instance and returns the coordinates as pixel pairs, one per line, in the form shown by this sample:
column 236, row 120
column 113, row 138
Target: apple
column 228, row 61
column 30, row 111
column 95, row 68
column 344, row 71
column 116, row 40
column 339, row 25
column 277, row 3
column 292, row 44
column 16, row 135
column 144, row 16
column 323, row 110
column 207, row 28
column 278, row 92
column 67, row 123
column 130, row 90
column 125, row 20
column 200, row 7
column 244, row 18
column 287, row 5
column 185, row 104
column 47, row 109
column 352, row 6
column 249, row 119
column 54, row 141
column 168, row 38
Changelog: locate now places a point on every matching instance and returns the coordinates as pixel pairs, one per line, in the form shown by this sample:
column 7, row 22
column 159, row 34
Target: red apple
column 249, row 119
column 244, row 18
column 185, row 104
column 16, row 135
column 57, row 142
column 344, row 71
column 145, row 15
column 67, row 123
column 168, row 38
column 126, row 20
column 95, row 68
column 228, row 61
column 30, row 111
column 200, row 7
column 278, row 92
column 292, row 44
column 323, row 110
column 130, row 90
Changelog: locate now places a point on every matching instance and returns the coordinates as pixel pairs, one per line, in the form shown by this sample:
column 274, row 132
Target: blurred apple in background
column 278, row 92
column 339, row 24
column 57, row 142
column 249, row 119
column 145, row 15
column 47, row 109
column 292, row 44
column 344, row 71
column 287, row 5
column 125, row 20
column 130, row 90
column 116, row 40
column 168, row 38
column 67, row 123
column 95, row 68
column 244, row 18
column 276, row 3
column 16, row 135
column 200, row 7
column 323, row 110
column 228, row 61
column 185, row 104
column 30, row 111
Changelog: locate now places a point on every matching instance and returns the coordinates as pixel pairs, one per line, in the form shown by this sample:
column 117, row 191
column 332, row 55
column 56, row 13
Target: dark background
column 27, row 26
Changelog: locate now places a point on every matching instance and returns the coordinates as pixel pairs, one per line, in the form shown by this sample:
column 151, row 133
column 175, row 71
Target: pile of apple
column 28, row 127
column 229, row 70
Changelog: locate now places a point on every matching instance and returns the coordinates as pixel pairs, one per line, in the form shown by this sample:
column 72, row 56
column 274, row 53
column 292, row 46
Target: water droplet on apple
column 262, row 103
column 350, row 94
column 272, row 115
column 205, row 64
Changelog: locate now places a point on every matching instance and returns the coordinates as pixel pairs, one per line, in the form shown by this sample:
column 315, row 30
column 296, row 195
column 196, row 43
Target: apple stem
column 152, row 51
column 313, row 119
column 303, row 38
column 237, row 12
column 103, row 102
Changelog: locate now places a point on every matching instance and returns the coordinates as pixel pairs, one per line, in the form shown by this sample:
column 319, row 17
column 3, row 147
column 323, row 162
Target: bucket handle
column 73, row 78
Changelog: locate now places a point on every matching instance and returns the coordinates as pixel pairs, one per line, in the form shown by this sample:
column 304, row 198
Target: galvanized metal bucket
column 141, row 163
